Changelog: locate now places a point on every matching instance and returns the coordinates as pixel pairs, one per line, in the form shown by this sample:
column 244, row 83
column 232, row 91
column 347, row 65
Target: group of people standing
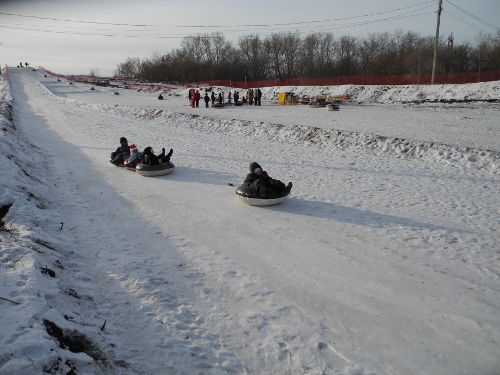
column 194, row 96
column 254, row 97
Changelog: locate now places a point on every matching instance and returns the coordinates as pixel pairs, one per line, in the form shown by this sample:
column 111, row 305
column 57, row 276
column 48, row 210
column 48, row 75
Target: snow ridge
column 41, row 260
column 465, row 157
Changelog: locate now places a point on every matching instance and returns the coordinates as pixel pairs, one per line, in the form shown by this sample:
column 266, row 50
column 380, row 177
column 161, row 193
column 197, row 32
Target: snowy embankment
column 468, row 157
column 37, row 255
column 449, row 93
column 384, row 260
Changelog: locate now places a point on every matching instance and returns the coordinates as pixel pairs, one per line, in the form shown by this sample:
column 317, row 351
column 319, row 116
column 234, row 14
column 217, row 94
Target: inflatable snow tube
column 147, row 170
column 251, row 195
column 332, row 107
column 218, row 105
column 238, row 104
column 313, row 105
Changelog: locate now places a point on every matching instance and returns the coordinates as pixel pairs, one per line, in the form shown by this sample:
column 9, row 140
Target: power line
column 173, row 35
column 88, row 34
column 349, row 25
column 380, row 20
column 11, row 25
column 76, row 21
column 449, row 14
column 486, row 23
column 305, row 22
column 220, row 26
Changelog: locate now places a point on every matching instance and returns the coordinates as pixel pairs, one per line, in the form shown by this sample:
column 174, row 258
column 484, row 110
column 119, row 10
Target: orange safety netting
column 407, row 79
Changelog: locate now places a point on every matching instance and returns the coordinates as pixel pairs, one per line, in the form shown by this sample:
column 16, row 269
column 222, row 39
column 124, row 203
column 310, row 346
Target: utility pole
column 440, row 8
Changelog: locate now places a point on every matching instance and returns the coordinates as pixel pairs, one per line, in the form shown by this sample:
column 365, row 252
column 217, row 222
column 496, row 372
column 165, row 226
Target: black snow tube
column 251, row 195
column 155, row 170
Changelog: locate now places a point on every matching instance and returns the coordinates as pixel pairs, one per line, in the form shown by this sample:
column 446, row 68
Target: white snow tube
column 147, row 170
column 250, row 195
column 260, row 201
column 332, row 107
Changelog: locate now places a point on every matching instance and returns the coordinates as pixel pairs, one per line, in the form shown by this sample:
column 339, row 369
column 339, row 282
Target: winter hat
column 123, row 140
column 148, row 151
column 254, row 166
column 133, row 148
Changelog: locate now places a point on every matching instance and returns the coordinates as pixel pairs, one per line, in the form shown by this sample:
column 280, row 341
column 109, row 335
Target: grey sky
column 74, row 36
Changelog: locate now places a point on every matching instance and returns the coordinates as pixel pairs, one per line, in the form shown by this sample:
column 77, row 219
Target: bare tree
column 290, row 48
column 273, row 48
column 310, row 50
column 288, row 55
column 370, row 49
column 128, row 69
column 347, row 55
column 251, row 49
column 93, row 72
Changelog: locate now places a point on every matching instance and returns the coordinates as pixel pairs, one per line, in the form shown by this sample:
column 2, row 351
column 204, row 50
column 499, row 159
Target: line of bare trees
column 289, row 55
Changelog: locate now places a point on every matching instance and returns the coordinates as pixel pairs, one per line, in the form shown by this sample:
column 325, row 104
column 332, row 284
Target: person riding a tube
column 135, row 156
column 259, row 179
column 152, row 159
column 121, row 152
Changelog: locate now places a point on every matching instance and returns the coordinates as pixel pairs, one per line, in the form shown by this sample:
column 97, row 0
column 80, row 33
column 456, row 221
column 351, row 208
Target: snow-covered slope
column 383, row 260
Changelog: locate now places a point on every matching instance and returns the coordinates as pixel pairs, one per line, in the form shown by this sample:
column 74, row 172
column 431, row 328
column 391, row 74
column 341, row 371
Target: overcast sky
column 74, row 36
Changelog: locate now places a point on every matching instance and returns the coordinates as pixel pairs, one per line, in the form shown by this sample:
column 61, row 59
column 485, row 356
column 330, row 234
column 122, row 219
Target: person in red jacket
column 197, row 97
column 193, row 100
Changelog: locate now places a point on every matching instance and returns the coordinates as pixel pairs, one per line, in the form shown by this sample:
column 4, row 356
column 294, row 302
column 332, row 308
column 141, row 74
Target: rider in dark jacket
column 151, row 159
column 121, row 152
column 259, row 179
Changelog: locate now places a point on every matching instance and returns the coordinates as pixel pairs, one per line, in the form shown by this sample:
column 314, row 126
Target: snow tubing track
column 154, row 170
column 250, row 195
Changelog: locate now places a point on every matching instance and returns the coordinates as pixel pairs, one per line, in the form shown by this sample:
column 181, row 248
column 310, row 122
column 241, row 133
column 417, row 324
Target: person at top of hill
column 258, row 96
column 259, row 179
column 121, row 152
column 197, row 97
column 250, row 95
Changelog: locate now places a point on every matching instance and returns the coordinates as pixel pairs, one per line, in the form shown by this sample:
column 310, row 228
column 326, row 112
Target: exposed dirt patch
column 74, row 341
column 3, row 211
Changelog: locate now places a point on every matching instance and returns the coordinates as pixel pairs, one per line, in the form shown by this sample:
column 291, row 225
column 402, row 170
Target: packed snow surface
column 383, row 260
